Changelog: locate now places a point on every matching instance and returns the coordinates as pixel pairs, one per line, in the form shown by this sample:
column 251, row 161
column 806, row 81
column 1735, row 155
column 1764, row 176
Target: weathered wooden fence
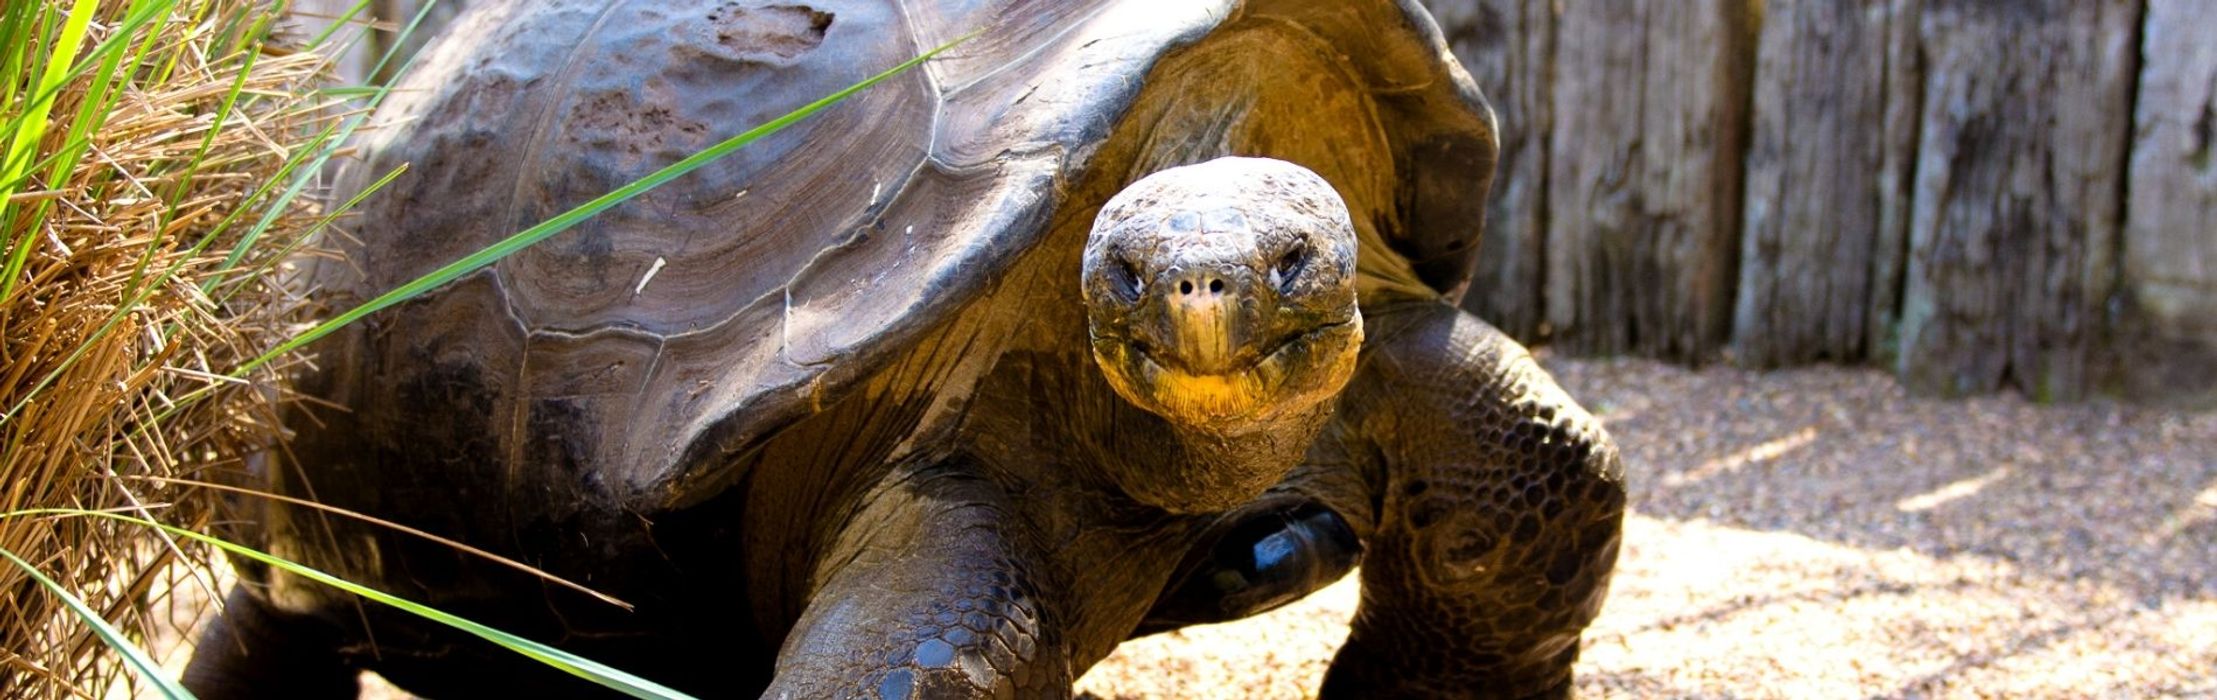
column 1978, row 194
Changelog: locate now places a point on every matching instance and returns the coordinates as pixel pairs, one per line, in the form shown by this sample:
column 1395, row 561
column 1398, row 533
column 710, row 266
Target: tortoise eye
column 1268, row 560
column 1125, row 278
column 1289, row 267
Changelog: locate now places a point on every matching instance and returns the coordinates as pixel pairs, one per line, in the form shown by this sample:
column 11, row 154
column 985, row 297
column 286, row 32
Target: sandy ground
column 1817, row 534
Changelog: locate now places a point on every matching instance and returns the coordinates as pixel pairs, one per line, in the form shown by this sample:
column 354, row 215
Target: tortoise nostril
column 1206, row 286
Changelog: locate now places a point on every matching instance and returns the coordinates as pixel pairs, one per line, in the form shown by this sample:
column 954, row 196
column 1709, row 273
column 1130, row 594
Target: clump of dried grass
column 147, row 275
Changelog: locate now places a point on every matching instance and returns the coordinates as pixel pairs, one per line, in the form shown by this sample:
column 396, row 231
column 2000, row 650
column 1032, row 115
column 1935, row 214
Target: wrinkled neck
column 1202, row 469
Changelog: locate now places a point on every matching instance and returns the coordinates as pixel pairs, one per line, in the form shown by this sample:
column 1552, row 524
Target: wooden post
column 1644, row 173
column 2168, row 339
column 1823, row 174
column 1509, row 48
column 2017, row 194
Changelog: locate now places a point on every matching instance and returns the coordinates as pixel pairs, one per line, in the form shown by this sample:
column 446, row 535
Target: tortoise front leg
column 1500, row 501
column 924, row 596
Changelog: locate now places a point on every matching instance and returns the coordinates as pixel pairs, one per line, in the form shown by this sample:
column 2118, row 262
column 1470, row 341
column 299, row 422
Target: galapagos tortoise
column 1117, row 318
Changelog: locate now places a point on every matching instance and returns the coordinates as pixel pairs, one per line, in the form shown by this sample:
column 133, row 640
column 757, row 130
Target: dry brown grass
column 118, row 333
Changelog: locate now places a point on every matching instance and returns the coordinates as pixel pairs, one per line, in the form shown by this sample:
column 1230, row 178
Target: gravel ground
column 1817, row 534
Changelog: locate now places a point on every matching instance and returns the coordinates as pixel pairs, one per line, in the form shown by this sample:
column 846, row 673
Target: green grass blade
column 208, row 140
column 183, row 401
column 565, row 220
column 136, row 292
column 92, row 113
column 24, row 138
column 146, row 45
column 343, row 19
column 141, row 13
column 23, row 141
column 17, row 182
column 318, row 226
column 319, row 149
column 141, row 286
column 573, row 664
column 386, row 57
column 323, row 142
column 256, row 28
column 327, row 148
column 15, row 27
column 167, row 68
column 132, row 654
column 348, row 91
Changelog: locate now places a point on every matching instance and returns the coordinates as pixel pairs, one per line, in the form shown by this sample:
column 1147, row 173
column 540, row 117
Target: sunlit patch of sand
column 1705, row 610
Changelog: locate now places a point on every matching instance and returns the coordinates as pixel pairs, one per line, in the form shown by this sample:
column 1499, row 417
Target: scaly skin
column 967, row 619
column 1502, row 504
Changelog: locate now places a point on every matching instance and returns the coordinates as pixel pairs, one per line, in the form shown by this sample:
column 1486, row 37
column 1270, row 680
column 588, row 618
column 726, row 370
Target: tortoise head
column 1221, row 296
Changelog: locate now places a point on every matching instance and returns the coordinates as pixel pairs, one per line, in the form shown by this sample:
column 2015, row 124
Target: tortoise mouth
column 1287, row 342
column 1291, row 374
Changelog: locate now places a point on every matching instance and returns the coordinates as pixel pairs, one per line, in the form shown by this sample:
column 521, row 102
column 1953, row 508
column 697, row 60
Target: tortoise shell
column 709, row 313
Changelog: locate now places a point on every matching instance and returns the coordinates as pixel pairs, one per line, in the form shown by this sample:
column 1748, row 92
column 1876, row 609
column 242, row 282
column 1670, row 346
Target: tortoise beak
column 1202, row 317
column 1206, row 321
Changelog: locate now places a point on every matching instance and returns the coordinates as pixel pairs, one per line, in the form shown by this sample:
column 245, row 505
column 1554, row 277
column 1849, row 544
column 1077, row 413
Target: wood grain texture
column 1644, row 175
column 2168, row 339
column 1813, row 255
column 2013, row 229
column 1904, row 105
column 1509, row 48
